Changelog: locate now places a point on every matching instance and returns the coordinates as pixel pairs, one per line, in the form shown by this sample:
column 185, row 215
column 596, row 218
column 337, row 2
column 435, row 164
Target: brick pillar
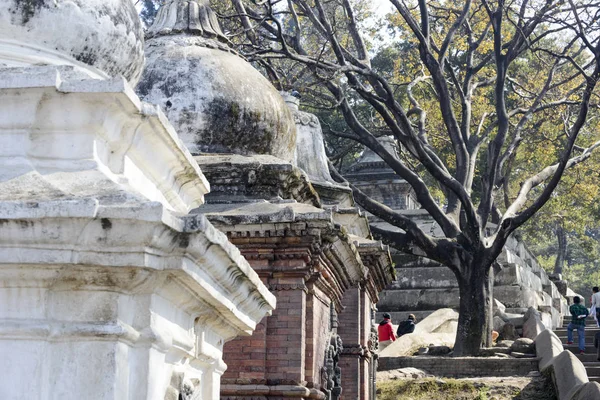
column 318, row 333
column 351, row 320
column 286, row 339
column 365, row 359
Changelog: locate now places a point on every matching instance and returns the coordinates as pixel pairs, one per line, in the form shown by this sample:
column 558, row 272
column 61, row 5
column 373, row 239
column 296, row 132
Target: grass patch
column 431, row 389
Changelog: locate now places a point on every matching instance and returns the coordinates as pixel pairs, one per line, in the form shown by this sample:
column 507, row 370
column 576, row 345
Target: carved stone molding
column 306, row 119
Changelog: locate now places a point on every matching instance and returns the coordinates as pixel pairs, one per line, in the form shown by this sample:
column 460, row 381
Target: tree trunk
column 474, row 329
column 561, row 237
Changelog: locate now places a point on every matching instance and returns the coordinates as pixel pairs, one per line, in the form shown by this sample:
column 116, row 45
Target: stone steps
column 589, row 359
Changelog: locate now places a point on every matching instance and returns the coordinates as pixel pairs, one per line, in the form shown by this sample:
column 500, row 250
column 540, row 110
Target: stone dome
column 102, row 38
column 216, row 100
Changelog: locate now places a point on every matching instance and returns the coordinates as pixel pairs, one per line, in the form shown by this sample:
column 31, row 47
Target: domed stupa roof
column 102, row 38
column 216, row 100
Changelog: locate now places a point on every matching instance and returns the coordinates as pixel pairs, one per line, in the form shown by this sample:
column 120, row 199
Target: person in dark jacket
column 578, row 315
column 407, row 326
column 385, row 332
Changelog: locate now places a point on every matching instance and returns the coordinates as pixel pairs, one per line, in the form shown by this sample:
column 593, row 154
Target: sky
column 381, row 7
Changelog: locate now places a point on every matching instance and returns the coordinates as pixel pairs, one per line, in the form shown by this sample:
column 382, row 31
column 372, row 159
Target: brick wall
column 365, row 363
column 286, row 338
column 462, row 367
column 317, row 334
column 246, row 356
column 351, row 318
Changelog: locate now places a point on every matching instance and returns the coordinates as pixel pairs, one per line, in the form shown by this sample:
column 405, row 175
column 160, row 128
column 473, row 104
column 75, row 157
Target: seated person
column 386, row 332
column 407, row 326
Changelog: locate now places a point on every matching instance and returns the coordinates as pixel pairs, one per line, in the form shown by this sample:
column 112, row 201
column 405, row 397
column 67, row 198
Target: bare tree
column 467, row 51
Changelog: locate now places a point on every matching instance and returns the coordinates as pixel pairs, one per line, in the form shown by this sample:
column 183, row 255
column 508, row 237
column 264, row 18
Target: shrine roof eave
column 342, row 256
column 376, row 256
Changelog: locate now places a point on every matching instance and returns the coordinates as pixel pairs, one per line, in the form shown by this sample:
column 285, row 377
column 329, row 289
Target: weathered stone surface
column 547, row 346
column 504, row 343
column 508, row 332
column 94, row 159
column 237, row 178
column 498, row 324
column 523, row 345
column 101, row 38
column 193, row 17
column 217, row 101
column 514, row 274
column 437, row 277
column 568, row 374
column 310, row 153
column 516, row 296
column 417, row 299
column 588, row 391
column 407, row 372
column 438, row 329
column 492, row 351
column 517, row 354
column 498, row 306
column 439, row 350
column 533, row 325
column 103, row 272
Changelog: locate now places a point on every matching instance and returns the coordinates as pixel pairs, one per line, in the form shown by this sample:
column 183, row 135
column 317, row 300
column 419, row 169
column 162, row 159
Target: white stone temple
column 109, row 288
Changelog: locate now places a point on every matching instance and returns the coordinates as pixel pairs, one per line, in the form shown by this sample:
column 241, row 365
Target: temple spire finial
column 195, row 17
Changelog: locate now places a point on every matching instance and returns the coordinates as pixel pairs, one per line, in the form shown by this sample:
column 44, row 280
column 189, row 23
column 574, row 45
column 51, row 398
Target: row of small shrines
column 169, row 228
column 185, row 256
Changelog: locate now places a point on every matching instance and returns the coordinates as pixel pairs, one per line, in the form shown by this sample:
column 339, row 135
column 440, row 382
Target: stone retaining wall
column 463, row 367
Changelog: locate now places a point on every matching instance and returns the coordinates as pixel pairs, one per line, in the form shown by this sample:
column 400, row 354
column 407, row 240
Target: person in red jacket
column 386, row 332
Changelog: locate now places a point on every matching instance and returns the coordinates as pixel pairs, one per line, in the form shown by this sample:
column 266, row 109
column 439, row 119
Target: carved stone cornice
column 280, row 287
column 272, row 231
column 260, row 177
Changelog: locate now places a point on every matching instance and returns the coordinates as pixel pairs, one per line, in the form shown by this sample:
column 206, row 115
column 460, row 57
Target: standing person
column 595, row 304
column 578, row 315
column 407, row 326
column 386, row 332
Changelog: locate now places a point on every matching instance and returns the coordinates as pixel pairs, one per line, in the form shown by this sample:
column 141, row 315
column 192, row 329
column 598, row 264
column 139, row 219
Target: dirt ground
column 535, row 387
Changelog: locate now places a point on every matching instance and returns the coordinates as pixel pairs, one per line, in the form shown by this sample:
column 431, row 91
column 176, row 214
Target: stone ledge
column 462, row 367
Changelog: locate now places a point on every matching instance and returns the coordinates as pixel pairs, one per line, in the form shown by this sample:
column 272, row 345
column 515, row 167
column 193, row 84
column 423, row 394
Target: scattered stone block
column 587, row 391
column 498, row 306
column 437, row 329
column 505, row 343
column 533, row 325
column 523, row 345
column 493, row 351
column 439, row 350
column 568, row 374
column 547, row 346
column 516, row 354
column 498, row 323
